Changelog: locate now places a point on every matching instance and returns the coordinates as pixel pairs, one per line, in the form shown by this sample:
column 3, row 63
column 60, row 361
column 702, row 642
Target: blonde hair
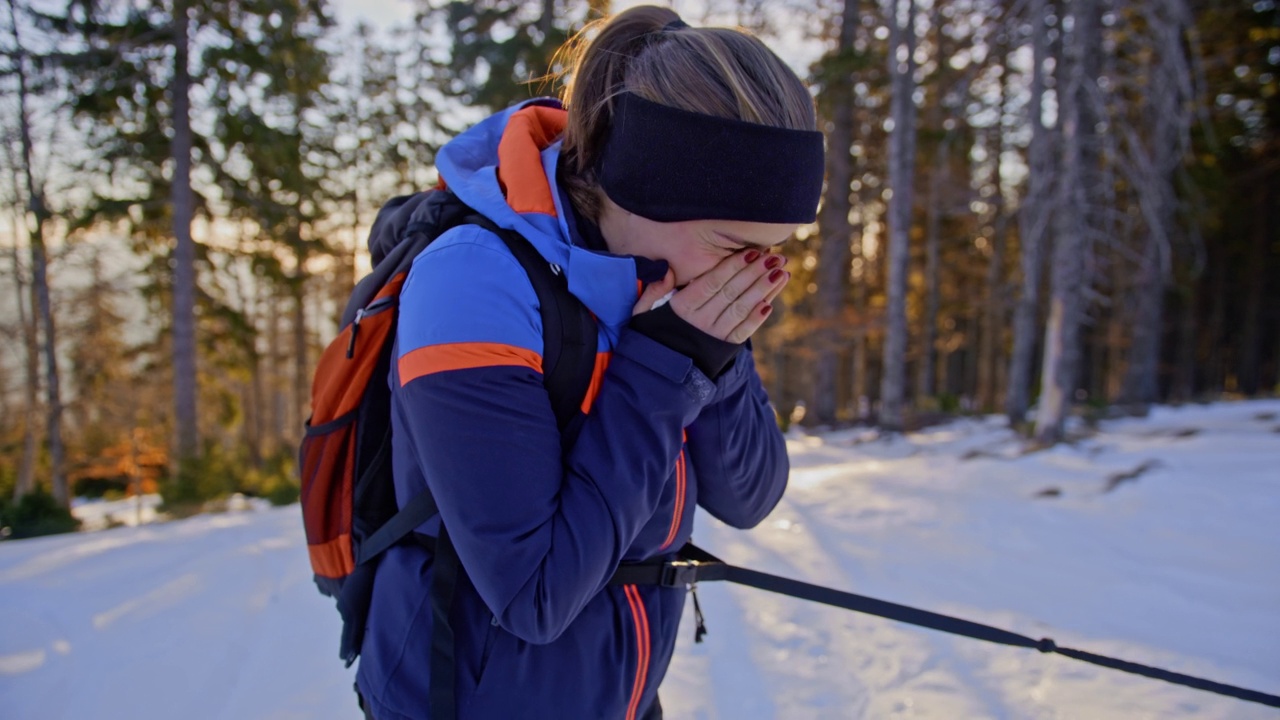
column 722, row 72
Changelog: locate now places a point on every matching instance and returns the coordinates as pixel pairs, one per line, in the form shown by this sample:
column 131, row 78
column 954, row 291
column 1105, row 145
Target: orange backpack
column 349, row 507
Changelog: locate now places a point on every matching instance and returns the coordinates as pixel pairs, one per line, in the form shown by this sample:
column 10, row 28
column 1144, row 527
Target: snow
column 101, row 514
column 97, row 514
column 216, row 616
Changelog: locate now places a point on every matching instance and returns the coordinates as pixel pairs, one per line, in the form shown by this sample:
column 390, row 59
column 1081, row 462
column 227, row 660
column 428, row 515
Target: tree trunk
column 862, row 278
column 184, row 271
column 1061, row 367
column 1184, row 376
column 1254, row 282
column 901, row 167
column 254, row 424
column 26, row 480
column 1033, row 223
column 993, row 318
column 301, row 399
column 1140, row 387
column 43, row 307
column 44, row 310
column 1215, row 366
column 992, row 331
column 926, row 379
column 835, row 253
column 275, row 377
column 1167, row 107
column 1115, row 350
column 1187, row 371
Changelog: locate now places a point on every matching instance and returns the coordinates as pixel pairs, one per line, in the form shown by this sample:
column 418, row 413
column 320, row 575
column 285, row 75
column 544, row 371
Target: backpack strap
column 447, row 572
column 418, row 510
column 569, row 350
column 568, row 361
column 568, row 328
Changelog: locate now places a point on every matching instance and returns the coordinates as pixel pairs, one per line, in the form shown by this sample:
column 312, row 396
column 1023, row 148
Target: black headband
column 668, row 164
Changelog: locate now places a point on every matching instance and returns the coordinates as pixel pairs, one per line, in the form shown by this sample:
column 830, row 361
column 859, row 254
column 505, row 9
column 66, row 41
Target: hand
column 730, row 301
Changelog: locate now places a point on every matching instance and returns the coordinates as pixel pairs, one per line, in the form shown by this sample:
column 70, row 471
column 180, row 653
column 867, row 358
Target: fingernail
column 764, row 311
column 751, row 256
column 775, row 275
column 773, row 261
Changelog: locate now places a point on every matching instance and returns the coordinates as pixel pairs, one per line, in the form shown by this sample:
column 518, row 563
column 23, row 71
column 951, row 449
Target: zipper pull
column 355, row 329
column 700, row 630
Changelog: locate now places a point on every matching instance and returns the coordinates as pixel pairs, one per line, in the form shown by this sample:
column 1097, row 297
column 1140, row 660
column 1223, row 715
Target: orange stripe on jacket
column 678, row 514
column 597, row 381
column 528, row 133
column 641, row 618
column 462, row 356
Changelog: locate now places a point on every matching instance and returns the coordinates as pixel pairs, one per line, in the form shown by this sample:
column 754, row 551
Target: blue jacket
column 539, row 632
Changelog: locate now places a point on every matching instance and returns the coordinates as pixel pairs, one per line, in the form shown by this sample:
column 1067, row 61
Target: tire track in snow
column 992, row 681
column 894, row 666
column 789, row 642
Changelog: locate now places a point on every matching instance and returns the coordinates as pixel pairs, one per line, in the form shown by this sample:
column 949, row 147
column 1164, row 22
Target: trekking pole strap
column 697, row 565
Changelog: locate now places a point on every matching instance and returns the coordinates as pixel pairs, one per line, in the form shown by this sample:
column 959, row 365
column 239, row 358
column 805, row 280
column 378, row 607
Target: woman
column 684, row 157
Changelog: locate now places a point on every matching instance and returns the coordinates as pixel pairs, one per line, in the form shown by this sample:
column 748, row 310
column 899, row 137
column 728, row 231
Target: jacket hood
column 505, row 168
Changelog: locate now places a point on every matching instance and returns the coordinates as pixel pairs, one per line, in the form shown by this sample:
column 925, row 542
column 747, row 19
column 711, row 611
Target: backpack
column 349, row 508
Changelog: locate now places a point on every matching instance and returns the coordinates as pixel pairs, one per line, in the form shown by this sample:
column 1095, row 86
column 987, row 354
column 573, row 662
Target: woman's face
column 691, row 247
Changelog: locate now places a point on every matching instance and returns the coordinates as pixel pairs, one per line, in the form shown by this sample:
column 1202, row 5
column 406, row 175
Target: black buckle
column 679, row 573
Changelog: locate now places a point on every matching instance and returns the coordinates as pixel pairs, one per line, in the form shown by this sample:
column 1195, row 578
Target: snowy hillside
column 1179, row 566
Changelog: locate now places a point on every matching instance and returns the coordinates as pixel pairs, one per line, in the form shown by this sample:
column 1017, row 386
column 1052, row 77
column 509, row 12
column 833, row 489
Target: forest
column 1043, row 209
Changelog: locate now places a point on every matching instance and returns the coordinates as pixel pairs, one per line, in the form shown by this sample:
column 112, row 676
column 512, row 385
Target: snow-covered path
column 212, row 617
column 216, row 617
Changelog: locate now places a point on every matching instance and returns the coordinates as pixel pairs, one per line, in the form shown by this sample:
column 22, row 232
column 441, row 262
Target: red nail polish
column 764, row 311
column 773, row 261
column 751, row 256
column 775, row 275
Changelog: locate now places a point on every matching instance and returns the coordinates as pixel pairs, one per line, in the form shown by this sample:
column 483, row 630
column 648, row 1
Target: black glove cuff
column 711, row 355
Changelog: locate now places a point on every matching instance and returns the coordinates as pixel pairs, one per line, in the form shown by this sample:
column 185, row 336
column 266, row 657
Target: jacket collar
column 505, row 168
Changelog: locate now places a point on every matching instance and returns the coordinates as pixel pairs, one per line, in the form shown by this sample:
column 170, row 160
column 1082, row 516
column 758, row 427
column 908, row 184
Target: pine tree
column 901, row 178
column 1034, row 215
column 276, row 138
column 134, row 81
column 1073, row 230
column 501, row 50
column 836, row 75
column 1155, row 162
column 25, row 301
column 40, row 214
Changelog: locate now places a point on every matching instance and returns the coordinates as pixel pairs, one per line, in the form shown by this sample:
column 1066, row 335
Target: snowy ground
column 216, row 617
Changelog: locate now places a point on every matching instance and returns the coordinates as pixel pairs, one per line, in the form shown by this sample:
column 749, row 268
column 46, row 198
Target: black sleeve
column 711, row 355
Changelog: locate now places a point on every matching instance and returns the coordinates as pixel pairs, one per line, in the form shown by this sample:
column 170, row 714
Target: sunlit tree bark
column 1072, row 241
column 835, row 253
column 39, row 216
column 901, row 171
column 1033, row 223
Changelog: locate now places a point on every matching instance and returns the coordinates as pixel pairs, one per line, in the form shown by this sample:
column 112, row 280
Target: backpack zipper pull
column 355, row 329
